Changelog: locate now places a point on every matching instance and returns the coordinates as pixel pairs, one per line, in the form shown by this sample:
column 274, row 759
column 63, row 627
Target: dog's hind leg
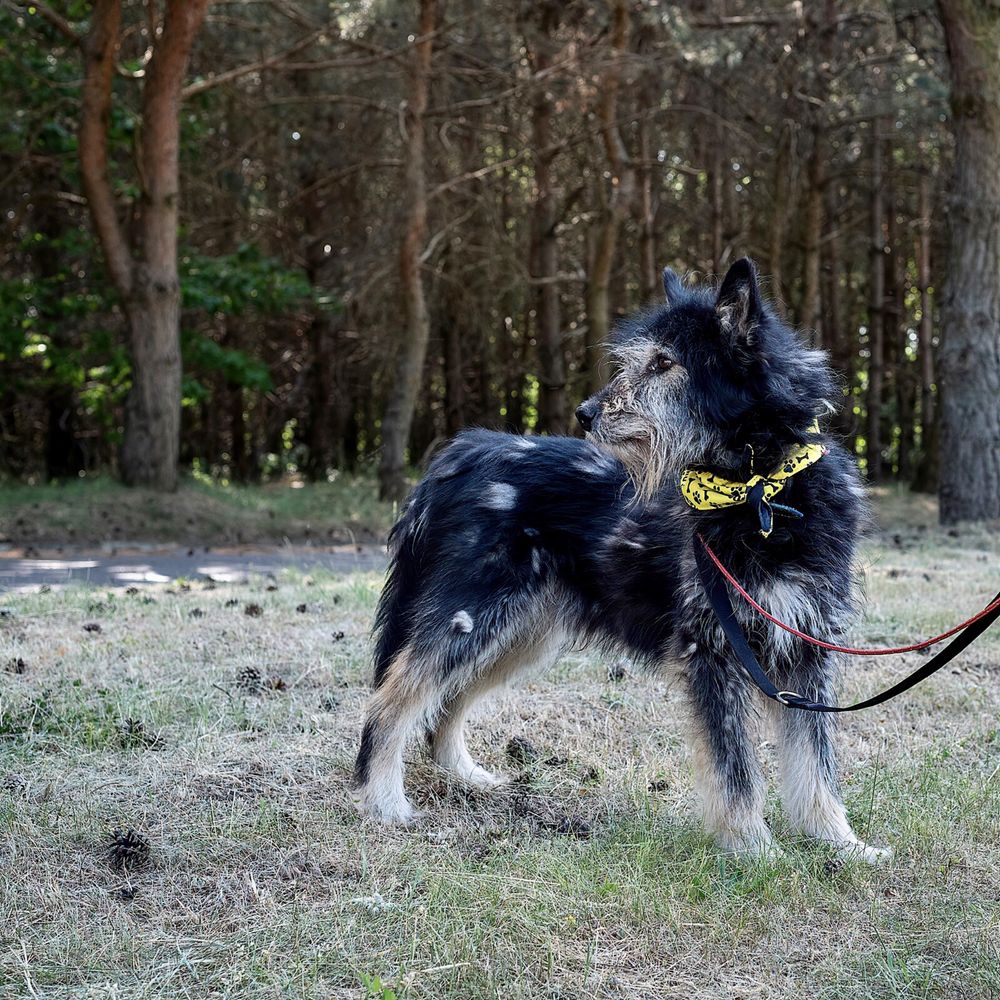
column 447, row 739
column 809, row 785
column 406, row 694
column 728, row 777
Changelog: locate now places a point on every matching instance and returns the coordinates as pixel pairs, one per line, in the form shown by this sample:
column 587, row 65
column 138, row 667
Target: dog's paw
column 479, row 777
column 393, row 812
column 858, row 850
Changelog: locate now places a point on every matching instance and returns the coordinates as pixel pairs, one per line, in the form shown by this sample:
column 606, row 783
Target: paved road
column 27, row 569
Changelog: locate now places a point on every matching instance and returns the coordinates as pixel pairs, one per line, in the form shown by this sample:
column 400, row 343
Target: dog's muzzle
column 586, row 413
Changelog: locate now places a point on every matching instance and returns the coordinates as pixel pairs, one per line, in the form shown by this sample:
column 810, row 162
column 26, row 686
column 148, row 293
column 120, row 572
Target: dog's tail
column 394, row 616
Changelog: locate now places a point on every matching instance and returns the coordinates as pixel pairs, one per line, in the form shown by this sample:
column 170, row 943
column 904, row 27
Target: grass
column 101, row 511
column 577, row 881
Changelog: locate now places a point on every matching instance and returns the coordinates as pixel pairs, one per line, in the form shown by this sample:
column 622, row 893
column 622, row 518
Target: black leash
column 718, row 596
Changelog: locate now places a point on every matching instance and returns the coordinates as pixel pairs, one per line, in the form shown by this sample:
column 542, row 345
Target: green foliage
column 242, row 282
column 203, row 354
column 375, row 990
column 67, row 714
column 237, row 285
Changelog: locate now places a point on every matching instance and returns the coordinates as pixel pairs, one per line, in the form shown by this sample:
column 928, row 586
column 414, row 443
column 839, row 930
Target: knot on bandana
column 704, row 490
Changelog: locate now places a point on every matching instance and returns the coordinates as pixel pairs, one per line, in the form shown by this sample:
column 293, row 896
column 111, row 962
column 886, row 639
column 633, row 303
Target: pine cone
column 249, row 679
column 127, row 848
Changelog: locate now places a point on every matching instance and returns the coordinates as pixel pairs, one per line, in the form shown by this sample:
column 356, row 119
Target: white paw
column 479, row 777
column 395, row 811
column 467, row 770
column 859, row 851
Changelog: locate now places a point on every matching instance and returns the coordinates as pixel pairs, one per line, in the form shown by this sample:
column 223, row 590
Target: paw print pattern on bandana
column 704, row 490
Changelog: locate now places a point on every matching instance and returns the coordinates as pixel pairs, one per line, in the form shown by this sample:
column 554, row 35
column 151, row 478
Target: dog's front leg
column 727, row 771
column 809, row 786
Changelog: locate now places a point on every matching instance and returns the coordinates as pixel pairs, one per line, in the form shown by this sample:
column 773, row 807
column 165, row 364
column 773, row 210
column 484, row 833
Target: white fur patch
column 792, row 602
column 526, row 443
column 500, row 496
column 462, row 622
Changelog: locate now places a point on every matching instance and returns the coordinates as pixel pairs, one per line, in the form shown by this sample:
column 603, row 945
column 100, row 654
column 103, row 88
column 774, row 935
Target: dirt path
column 27, row 569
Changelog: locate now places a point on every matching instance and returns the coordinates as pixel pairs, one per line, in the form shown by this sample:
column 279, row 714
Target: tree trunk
column 319, row 419
column 902, row 385
column 619, row 202
column 822, row 29
column 926, row 477
column 836, row 333
column 450, row 327
column 545, row 244
column 402, row 398
column 649, row 273
column 782, row 198
column 970, row 308
column 145, row 277
column 809, row 310
column 716, row 179
column 153, row 405
column 876, row 315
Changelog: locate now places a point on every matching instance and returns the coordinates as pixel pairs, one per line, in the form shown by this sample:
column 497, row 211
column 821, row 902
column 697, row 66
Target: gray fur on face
column 646, row 419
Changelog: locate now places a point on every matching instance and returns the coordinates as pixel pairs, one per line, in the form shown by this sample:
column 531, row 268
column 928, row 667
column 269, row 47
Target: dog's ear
column 739, row 305
column 673, row 285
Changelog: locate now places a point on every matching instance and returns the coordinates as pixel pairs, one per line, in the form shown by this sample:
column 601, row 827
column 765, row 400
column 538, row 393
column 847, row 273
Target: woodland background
column 390, row 220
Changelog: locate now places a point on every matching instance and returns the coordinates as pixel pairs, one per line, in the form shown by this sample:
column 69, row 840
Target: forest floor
column 220, row 721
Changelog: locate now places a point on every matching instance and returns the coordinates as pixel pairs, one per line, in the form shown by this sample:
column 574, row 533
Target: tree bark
column 99, row 48
column 649, row 273
column 449, row 326
column 837, row 334
column 402, row 397
column 926, row 477
column 815, row 173
column 545, row 243
column 902, row 385
column 619, row 202
column 822, row 28
column 146, row 276
column 716, row 179
column 970, row 308
column 782, row 201
column 876, row 315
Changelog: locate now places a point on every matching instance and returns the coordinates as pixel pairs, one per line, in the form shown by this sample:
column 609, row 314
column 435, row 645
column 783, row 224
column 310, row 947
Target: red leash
column 991, row 607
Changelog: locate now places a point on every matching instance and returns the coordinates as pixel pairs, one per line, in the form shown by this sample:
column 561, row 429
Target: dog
column 512, row 549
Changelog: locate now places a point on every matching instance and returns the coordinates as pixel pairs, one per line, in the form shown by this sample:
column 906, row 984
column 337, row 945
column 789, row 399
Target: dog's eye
column 661, row 363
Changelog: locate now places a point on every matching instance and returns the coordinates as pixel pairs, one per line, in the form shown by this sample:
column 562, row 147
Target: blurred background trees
column 397, row 219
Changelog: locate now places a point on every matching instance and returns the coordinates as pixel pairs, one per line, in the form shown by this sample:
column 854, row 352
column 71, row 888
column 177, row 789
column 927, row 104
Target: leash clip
column 783, row 696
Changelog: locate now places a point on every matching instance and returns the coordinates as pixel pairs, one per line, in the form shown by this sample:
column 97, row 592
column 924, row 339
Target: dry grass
column 578, row 881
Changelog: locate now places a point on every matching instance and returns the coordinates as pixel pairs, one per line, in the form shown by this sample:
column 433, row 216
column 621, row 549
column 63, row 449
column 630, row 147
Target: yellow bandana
column 704, row 490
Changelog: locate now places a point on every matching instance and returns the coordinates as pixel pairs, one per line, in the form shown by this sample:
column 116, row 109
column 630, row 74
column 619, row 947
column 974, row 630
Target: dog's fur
column 513, row 548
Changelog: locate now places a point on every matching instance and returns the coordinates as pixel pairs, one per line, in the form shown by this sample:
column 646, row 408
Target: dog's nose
column 585, row 414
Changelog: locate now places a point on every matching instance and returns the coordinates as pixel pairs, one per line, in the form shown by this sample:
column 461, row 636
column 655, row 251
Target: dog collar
column 704, row 490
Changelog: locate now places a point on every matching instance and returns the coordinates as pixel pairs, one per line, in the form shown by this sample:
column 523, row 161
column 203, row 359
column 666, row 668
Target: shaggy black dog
column 513, row 548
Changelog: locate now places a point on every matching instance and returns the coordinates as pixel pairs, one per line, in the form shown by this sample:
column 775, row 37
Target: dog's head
column 702, row 375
